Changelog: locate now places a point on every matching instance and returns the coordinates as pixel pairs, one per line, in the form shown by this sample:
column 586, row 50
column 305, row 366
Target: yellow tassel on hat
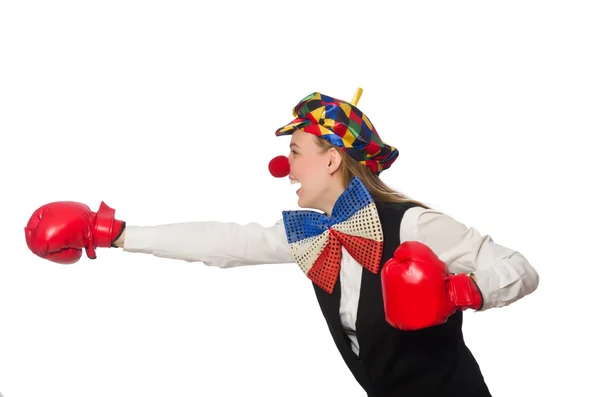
column 357, row 96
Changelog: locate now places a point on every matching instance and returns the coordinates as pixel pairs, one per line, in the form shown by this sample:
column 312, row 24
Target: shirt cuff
column 139, row 239
column 488, row 284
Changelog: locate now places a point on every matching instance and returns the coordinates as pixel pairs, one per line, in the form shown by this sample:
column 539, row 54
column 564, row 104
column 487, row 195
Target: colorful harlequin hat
column 344, row 126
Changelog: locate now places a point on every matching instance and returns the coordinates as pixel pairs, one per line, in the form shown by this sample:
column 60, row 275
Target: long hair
column 350, row 168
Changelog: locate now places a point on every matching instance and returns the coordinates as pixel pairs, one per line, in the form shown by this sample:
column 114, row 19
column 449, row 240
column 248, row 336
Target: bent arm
column 219, row 244
column 502, row 274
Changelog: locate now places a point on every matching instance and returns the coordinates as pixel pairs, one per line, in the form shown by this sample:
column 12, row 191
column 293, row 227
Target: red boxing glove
column 59, row 231
column 419, row 292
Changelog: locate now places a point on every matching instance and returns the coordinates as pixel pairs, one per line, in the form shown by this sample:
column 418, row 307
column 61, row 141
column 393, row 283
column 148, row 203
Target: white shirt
column 503, row 274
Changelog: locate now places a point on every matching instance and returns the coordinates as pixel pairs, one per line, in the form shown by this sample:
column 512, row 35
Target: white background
column 166, row 110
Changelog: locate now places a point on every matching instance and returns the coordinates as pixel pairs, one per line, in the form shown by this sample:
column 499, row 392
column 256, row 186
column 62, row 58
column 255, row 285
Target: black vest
column 431, row 362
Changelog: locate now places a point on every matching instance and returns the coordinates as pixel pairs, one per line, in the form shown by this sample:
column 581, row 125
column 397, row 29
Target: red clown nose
column 279, row 167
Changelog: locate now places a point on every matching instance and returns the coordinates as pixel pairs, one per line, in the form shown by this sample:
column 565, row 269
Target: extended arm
column 220, row 244
column 60, row 231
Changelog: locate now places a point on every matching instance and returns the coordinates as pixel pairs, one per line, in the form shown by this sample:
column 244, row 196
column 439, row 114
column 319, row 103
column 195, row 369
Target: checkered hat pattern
column 344, row 126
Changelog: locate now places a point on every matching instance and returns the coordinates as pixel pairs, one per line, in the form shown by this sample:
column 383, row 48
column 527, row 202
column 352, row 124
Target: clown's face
column 315, row 171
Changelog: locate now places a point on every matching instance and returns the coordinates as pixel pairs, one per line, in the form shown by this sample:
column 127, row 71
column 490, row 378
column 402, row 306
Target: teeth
column 293, row 181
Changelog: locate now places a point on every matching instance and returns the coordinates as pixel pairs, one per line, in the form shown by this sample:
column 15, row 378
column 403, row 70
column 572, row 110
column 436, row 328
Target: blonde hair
column 350, row 168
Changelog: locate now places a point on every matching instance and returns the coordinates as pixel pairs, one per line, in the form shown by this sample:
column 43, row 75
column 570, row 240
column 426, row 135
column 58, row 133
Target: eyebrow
column 293, row 144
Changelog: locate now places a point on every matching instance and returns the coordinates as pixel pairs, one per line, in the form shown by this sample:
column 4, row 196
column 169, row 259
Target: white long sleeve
column 503, row 274
column 220, row 244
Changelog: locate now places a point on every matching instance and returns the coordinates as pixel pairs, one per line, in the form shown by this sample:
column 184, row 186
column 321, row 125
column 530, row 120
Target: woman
column 392, row 276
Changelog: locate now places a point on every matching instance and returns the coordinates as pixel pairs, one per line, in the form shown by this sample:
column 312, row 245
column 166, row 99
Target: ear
column 335, row 160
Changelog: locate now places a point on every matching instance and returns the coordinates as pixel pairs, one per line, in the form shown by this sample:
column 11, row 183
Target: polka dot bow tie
column 316, row 240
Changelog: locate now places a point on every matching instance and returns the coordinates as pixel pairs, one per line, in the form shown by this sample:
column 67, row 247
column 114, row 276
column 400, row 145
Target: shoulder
column 429, row 225
column 398, row 215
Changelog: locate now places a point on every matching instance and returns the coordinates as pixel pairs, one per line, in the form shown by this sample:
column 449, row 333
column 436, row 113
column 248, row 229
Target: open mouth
column 296, row 182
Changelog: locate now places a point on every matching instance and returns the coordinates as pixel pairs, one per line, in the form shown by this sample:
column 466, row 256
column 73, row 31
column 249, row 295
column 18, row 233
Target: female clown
column 391, row 275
